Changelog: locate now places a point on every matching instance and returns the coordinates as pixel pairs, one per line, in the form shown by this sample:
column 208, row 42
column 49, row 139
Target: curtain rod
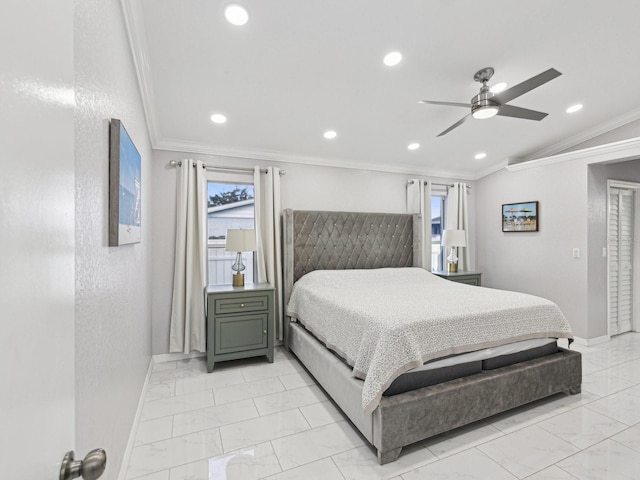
column 411, row 182
column 178, row 163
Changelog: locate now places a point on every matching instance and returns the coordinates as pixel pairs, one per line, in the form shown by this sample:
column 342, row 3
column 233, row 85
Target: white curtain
column 269, row 242
column 457, row 218
column 419, row 201
column 188, row 317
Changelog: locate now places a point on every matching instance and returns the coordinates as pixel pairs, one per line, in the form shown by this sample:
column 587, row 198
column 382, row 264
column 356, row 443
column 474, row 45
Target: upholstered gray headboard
column 315, row 240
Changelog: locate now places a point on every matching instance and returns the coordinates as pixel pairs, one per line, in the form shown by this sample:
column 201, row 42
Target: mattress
column 466, row 364
column 385, row 322
column 489, row 357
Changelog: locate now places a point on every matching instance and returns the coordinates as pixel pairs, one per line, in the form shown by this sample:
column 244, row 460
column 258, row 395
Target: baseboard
column 589, row 342
column 122, row 475
column 173, row 357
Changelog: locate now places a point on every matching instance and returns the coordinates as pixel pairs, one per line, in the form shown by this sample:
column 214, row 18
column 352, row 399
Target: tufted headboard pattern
column 316, row 240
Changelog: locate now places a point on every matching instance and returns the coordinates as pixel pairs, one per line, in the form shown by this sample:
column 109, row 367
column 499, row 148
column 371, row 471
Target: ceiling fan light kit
column 481, row 112
column 482, row 106
column 488, row 104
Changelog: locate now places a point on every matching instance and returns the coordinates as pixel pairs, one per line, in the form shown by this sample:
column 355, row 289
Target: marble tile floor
column 250, row 419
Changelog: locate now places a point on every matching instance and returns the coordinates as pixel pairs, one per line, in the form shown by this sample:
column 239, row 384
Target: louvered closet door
column 621, row 204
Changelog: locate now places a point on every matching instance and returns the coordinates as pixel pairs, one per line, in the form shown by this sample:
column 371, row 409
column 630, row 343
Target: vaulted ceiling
column 299, row 68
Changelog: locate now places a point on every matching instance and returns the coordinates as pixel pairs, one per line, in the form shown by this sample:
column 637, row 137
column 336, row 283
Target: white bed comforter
column 386, row 321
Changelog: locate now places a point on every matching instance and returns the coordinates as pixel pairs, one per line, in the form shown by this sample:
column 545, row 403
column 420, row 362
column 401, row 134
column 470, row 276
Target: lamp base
column 238, row 279
column 453, row 267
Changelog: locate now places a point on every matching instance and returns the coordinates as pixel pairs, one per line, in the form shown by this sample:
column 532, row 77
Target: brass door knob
column 264, row 331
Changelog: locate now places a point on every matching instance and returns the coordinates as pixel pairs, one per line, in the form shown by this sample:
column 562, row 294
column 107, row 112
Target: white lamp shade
column 241, row 240
column 454, row 238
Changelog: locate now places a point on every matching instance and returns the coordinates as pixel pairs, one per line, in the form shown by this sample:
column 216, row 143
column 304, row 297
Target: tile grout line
column 338, row 467
column 236, row 422
column 315, row 460
column 277, row 458
column 499, row 464
column 179, row 465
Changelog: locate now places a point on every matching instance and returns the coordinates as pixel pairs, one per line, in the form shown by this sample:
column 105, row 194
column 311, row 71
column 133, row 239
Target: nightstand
column 240, row 322
column 470, row 278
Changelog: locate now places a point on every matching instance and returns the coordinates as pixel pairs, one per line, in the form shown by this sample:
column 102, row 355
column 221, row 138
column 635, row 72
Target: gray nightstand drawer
column 468, row 278
column 241, row 333
column 240, row 304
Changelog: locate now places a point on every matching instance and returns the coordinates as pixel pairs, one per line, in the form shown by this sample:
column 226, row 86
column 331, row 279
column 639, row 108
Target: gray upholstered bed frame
column 339, row 240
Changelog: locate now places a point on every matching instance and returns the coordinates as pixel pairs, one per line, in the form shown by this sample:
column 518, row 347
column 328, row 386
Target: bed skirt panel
column 333, row 376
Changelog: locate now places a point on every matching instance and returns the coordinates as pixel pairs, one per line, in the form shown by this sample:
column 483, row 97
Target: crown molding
column 492, row 169
column 136, row 33
column 624, row 149
column 584, row 136
column 285, row 157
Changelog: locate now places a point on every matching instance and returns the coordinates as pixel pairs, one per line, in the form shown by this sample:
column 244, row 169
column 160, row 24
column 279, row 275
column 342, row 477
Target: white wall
column 36, row 237
column 113, row 285
column 539, row 263
column 304, row 187
column 572, row 196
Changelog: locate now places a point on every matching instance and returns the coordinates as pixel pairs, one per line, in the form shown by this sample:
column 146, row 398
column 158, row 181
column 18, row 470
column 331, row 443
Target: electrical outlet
column 576, row 253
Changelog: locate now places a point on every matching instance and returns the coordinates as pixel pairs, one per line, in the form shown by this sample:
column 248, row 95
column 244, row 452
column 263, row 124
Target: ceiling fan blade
column 517, row 112
column 526, row 86
column 449, row 104
column 456, row 125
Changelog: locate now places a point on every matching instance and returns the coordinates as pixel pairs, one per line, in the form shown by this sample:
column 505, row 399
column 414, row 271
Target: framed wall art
column 520, row 217
column 125, row 187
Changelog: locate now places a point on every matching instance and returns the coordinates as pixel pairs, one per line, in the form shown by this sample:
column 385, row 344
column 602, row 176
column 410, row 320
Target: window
column 230, row 205
column 437, row 225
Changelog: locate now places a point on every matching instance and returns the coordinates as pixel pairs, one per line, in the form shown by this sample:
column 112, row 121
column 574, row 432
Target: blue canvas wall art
column 125, row 187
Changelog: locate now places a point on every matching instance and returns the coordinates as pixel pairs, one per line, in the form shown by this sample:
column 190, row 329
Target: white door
column 36, row 238
column 621, row 235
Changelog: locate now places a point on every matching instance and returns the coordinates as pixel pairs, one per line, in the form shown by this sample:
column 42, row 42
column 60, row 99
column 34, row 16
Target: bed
column 318, row 242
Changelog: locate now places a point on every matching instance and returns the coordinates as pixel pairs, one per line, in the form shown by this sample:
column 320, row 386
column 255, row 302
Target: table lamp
column 239, row 240
column 453, row 239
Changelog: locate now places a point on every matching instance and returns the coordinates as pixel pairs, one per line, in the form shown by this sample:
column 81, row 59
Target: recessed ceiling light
column 574, row 108
column 236, row 14
column 329, row 134
column 480, row 156
column 498, row 87
column 218, row 118
column 392, row 58
column 413, row 146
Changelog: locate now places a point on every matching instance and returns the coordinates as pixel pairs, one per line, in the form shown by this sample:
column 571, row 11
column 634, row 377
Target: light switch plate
column 576, row 253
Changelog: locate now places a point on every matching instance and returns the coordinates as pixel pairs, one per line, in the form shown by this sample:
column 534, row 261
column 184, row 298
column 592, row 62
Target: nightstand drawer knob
column 242, row 305
column 264, row 331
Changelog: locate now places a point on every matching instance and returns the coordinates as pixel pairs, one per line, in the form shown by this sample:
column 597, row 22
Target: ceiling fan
column 487, row 104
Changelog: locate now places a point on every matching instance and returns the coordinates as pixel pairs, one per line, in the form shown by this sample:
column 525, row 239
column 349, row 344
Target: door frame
column 635, row 318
